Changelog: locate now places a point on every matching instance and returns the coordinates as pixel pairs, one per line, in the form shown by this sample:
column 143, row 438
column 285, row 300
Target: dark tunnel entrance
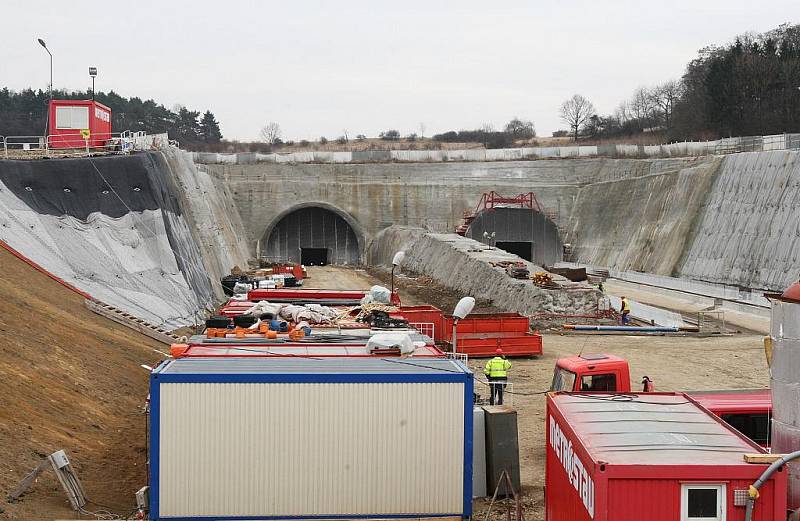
column 314, row 256
column 521, row 248
column 314, row 236
column 521, row 231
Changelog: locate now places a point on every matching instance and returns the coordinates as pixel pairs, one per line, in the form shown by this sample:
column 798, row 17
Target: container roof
column 305, row 350
column 310, row 365
column 651, row 429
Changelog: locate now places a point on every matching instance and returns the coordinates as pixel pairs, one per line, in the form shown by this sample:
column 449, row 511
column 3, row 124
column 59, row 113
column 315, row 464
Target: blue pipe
column 646, row 329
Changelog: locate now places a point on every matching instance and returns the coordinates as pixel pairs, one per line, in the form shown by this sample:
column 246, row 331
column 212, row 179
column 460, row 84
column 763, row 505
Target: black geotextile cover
column 113, row 186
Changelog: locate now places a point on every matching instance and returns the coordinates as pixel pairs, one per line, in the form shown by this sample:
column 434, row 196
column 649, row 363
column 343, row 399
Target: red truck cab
column 592, row 372
column 747, row 410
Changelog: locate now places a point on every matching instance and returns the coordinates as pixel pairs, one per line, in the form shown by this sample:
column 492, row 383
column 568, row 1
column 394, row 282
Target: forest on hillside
column 751, row 86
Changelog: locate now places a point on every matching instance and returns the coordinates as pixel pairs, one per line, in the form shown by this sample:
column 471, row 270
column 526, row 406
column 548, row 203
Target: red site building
column 653, row 456
column 68, row 118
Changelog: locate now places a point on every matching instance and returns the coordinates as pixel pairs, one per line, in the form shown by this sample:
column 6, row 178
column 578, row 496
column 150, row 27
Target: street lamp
column 93, row 75
column 463, row 308
column 49, row 92
column 397, row 260
column 50, row 89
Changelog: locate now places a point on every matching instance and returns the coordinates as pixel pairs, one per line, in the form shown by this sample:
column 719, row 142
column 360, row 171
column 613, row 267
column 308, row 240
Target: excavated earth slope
column 70, row 380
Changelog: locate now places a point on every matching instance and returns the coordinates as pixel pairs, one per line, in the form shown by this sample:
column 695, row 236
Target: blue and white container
column 254, row 438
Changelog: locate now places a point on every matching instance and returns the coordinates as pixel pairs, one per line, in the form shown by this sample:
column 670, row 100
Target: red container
column 69, row 117
column 487, row 323
column 481, row 334
column 427, row 319
column 654, row 457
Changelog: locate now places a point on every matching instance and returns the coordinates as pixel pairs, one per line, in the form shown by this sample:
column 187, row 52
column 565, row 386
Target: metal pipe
column 455, row 326
column 647, row 329
column 753, row 491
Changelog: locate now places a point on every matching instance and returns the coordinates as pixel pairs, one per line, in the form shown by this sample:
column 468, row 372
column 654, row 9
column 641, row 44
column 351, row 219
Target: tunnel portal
column 524, row 232
column 314, row 236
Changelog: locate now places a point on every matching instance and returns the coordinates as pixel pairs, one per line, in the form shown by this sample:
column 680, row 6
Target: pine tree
column 209, row 128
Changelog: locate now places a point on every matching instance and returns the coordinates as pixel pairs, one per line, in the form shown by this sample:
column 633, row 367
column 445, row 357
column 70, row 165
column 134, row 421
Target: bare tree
column 271, row 133
column 520, row 129
column 575, row 112
column 623, row 113
column 643, row 108
column 346, row 136
column 665, row 96
column 422, row 130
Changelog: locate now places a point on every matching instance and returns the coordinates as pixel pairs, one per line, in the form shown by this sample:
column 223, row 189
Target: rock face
column 463, row 265
column 748, row 230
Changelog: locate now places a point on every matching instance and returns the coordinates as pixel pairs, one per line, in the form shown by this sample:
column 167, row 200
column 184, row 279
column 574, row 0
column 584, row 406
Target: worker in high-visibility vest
column 625, row 310
column 496, row 371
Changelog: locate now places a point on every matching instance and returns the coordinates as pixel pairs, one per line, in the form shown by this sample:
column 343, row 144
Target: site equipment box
column 295, row 437
column 653, row 456
column 502, row 449
column 68, row 118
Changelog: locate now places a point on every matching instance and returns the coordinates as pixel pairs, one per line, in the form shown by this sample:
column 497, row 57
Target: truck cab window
column 563, row 380
column 599, row 382
column 753, row 425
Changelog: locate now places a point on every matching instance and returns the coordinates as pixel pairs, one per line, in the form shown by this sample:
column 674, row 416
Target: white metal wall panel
column 310, row 449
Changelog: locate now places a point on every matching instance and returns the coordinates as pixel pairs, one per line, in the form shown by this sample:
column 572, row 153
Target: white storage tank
column 266, row 438
column 785, row 381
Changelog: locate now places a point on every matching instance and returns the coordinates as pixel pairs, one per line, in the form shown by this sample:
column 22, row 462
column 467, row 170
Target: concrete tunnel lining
column 276, row 251
column 520, row 225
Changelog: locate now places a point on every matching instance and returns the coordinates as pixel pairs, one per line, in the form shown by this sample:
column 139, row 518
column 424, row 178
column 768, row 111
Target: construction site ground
column 74, row 382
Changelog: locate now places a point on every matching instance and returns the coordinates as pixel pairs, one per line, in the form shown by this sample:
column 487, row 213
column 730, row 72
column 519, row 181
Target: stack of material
column 542, row 278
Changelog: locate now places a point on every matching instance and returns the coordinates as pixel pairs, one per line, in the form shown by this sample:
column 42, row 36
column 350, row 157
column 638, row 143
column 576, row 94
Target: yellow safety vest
column 626, row 306
column 497, row 367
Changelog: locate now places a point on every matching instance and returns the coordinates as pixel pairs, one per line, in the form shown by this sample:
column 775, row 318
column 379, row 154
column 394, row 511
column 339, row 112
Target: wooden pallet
column 128, row 320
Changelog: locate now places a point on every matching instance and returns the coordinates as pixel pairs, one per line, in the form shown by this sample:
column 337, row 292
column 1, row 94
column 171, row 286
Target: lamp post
column 93, row 75
column 397, row 260
column 463, row 308
column 50, row 89
column 49, row 92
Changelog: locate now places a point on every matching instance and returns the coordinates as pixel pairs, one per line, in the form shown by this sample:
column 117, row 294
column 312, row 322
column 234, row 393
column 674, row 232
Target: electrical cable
column 391, row 360
column 624, row 398
column 488, row 384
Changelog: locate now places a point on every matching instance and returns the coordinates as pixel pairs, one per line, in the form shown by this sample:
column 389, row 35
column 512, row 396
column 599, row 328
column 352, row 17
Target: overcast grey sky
column 320, row 67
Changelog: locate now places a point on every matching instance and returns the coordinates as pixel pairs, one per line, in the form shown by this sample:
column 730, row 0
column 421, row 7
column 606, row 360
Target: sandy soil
column 70, row 380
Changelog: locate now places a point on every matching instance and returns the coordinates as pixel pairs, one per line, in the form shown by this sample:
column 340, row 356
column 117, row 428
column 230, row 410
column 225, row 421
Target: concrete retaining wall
column 427, row 195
